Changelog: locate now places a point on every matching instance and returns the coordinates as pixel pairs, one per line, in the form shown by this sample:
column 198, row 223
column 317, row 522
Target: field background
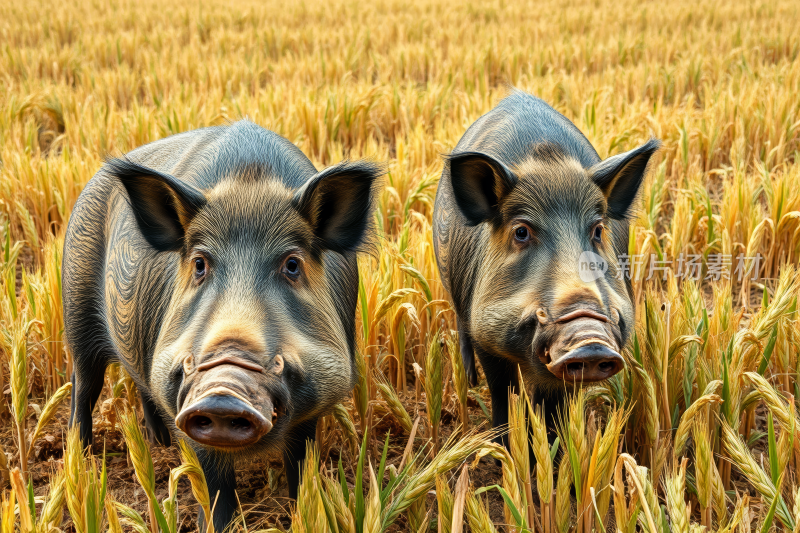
column 717, row 82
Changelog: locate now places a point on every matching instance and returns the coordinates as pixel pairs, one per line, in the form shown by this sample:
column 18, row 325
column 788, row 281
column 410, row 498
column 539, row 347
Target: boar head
column 547, row 218
column 258, row 334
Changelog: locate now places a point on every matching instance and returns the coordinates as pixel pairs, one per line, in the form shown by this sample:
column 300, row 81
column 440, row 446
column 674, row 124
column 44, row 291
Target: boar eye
column 199, row 268
column 522, row 234
column 291, row 267
column 597, row 233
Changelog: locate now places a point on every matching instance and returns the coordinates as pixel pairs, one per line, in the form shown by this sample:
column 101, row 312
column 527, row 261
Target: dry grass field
column 700, row 431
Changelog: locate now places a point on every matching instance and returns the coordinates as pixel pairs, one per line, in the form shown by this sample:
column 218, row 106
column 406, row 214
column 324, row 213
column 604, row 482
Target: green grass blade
column 767, row 525
column 506, row 498
column 554, row 448
column 767, row 355
column 359, row 488
column 773, row 448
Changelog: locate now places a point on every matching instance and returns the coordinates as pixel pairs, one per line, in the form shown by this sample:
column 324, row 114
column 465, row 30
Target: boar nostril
column 605, row 366
column 202, row 421
column 240, row 423
column 574, row 368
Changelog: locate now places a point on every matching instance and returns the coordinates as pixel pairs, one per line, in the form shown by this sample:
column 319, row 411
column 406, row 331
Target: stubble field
column 710, row 375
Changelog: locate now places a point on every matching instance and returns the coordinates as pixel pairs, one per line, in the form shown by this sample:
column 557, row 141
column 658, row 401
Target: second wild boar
column 528, row 224
column 218, row 267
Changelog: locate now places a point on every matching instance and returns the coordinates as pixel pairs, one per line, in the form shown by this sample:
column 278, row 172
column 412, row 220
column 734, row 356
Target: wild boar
column 524, row 210
column 218, row 267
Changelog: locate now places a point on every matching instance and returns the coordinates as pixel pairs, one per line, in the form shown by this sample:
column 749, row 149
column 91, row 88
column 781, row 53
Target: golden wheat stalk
column 459, row 500
column 563, row 507
column 638, row 477
column 49, row 411
column 7, row 517
column 746, row 339
column 21, row 490
column 796, row 510
column 604, row 460
column 434, row 387
column 784, row 447
column 459, row 380
column 342, row 416
column 345, row 522
column 747, row 465
column 394, row 404
column 688, row 418
column 18, row 371
column 477, row 515
column 444, row 502
column 518, row 446
column 142, row 461
column 740, row 519
column 621, row 514
column 53, row 507
column 372, row 515
column 417, row 511
column 452, row 454
column 192, row 469
column 720, row 500
column 361, row 392
column 403, row 310
column 112, row 513
column 85, row 488
column 773, row 399
column 131, row 518
column 679, row 511
column 703, row 461
column 74, row 469
column 509, row 481
column 649, row 406
column 388, row 302
column 544, row 465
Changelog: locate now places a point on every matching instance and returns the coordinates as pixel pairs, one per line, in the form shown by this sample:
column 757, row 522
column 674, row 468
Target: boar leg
column 295, row 454
column 500, row 375
column 156, row 428
column 87, row 384
column 467, row 354
column 221, row 481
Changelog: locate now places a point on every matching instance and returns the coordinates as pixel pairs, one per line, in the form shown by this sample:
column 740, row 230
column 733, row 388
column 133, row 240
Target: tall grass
column 674, row 442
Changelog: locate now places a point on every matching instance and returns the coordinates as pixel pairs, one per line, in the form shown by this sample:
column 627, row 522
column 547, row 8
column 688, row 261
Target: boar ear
column 480, row 183
column 163, row 204
column 620, row 176
column 338, row 203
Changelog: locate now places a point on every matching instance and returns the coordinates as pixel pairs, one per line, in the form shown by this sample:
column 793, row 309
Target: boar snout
column 227, row 400
column 223, row 420
column 583, row 347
